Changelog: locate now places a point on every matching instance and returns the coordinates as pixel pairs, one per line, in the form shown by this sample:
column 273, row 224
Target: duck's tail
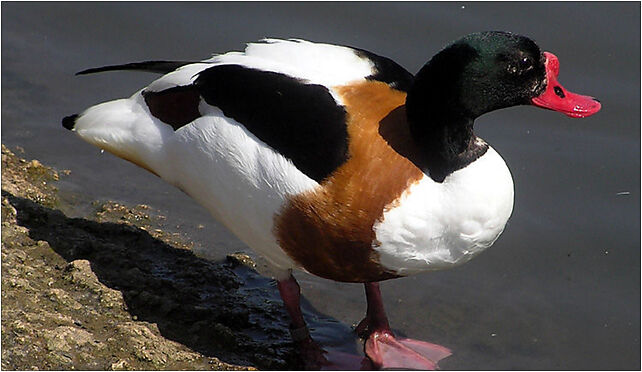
column 124, row 128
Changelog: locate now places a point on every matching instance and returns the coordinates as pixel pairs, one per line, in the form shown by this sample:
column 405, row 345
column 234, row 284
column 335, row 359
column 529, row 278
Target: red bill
column 557, row 98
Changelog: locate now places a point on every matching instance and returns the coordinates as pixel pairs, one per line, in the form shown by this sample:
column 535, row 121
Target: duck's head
column 487, row 71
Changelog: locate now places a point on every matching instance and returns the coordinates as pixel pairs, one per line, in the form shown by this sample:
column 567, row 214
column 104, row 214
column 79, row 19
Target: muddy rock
column 114, row 291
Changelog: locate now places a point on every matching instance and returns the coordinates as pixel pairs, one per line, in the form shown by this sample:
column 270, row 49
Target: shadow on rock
column 195, row 302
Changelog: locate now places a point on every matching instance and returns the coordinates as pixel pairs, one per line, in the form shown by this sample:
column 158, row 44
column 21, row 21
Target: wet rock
column 240, row 258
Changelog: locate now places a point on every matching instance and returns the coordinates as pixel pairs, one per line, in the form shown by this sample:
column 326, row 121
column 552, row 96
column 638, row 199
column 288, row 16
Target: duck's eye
column 525, row 63
column 520, row 66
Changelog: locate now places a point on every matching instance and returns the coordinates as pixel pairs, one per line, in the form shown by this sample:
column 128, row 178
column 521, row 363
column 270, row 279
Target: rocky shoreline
column 113, row 291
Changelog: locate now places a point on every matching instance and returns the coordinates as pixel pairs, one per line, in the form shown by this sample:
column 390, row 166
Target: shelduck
column 337, row 161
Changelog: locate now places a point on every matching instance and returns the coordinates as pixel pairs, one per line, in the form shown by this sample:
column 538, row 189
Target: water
column 559, row 290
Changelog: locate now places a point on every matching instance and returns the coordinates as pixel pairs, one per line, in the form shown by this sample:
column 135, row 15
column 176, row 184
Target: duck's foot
column 388, row 352
column 313, row 356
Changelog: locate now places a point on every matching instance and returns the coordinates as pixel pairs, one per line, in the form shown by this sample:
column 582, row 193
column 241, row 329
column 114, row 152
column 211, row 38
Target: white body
column 244, row 183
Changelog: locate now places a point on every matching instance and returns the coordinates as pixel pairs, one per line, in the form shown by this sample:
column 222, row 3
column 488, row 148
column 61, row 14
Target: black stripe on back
column 301, row 121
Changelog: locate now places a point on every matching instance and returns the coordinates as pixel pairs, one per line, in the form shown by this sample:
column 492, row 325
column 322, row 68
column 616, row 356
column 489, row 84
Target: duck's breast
column 438, row 225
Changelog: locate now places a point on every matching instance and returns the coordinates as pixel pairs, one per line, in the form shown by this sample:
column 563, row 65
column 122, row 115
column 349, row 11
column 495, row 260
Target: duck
column 339, row 162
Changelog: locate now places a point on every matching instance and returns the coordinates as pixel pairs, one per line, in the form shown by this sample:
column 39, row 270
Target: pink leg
column 387, row 351
column 313, row 355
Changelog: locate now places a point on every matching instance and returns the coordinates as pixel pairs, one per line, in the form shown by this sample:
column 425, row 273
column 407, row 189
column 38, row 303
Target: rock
column 66, row 338
column 100, row 293
column 150, row 347
column 240, row 258
column 79, row 273
column 120, row 365
column 63, row 299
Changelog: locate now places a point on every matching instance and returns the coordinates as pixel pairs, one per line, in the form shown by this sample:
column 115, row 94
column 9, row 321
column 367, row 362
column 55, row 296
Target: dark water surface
column 559, row 290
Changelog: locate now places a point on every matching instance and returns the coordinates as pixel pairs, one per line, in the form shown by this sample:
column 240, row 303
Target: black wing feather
column 159, row 67
column 387, row 71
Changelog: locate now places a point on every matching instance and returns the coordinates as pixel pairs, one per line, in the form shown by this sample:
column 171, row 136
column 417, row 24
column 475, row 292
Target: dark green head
column 481, row 72
column 508, row 70
column 486, row 71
